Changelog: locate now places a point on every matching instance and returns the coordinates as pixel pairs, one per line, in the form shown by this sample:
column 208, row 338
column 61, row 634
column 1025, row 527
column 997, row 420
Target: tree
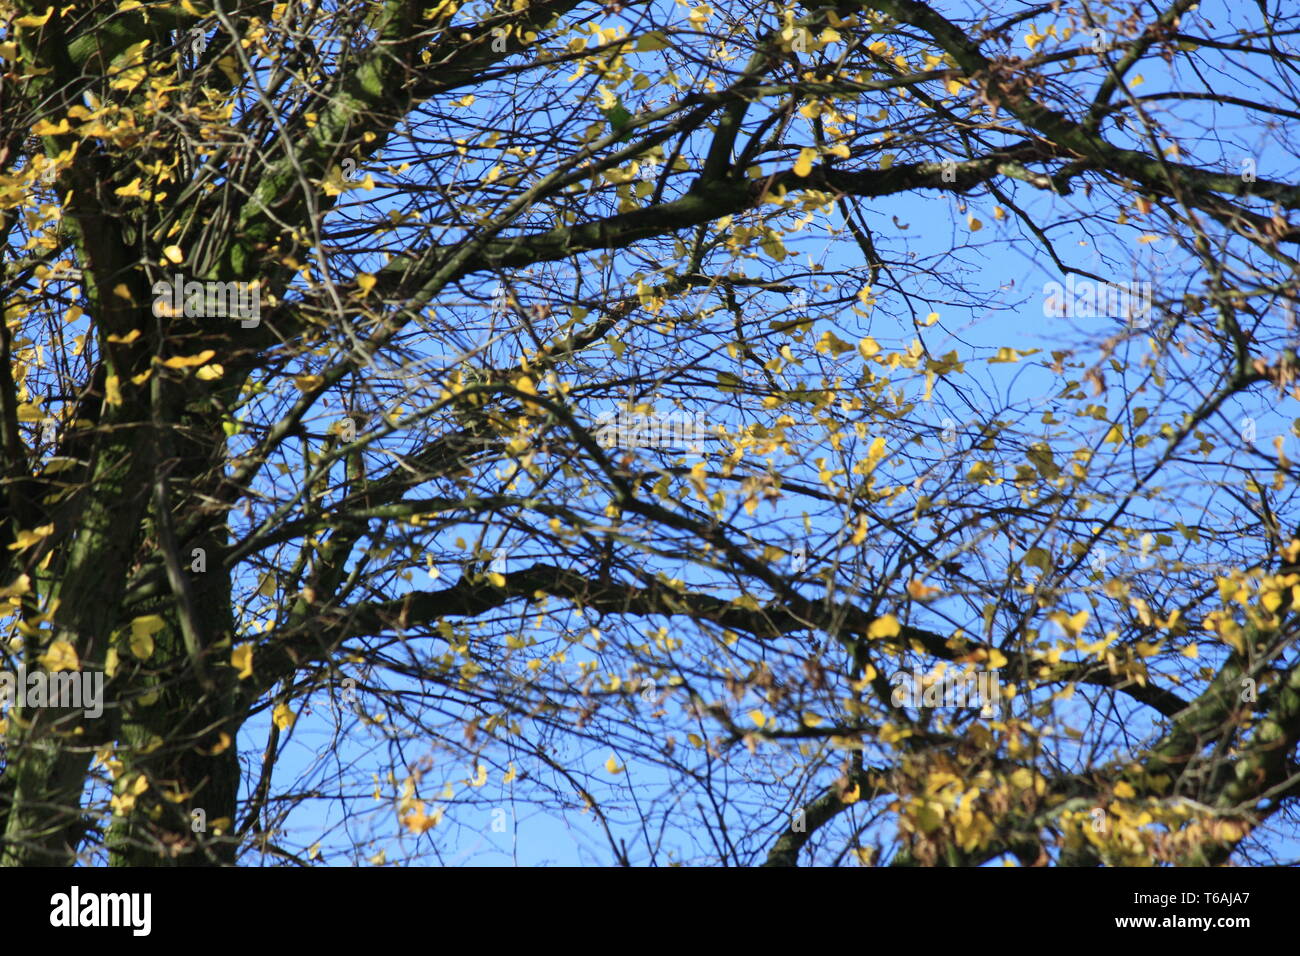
column 417, row 415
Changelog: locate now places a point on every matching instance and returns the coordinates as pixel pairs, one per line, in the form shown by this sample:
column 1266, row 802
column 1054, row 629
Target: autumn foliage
column 623, row 433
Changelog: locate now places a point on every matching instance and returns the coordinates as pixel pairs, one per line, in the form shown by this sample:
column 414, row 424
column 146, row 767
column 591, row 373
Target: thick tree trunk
column 46, row 763
column 180, row 720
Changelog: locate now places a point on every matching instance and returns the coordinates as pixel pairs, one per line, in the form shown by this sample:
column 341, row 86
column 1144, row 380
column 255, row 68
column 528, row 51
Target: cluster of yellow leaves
column 207, row 369
column 60, row 656
column 1251, row 602
column 1033, row 38
column 413, row 812
column 959, row 807
column 129, row 785
column 1131, row 832
column 127, row 791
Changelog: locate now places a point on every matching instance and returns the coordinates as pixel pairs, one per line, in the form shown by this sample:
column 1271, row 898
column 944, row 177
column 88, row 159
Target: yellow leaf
column 758, row 717
column 654, row 40
column 229, row 66
column 142, row 645
column 20, row 586
column 860, row 534
column 241, row 658
column 884, row 626
column 868, row 347
column 1125, row 790
column 142, row 631
column 130, row 190
column 612, row 765
column 32, row 20
column 112, row 390
column 1280, row 443
column 1115, row 436
column 919, row 590
column 174, row 254
column 305, row 383
column 210, row 372
column 1038, row 558
column 46, row 128
column 365, row 282
column 26, row 539
column 773, row 245
column 284, row 717
column 125, row 339
column 418, row 822
column 60, row 657
column 832, row 344
column 803, row 165
column 188, row 361
column 698, row 479
column 929, row 817
column 1072, row 625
